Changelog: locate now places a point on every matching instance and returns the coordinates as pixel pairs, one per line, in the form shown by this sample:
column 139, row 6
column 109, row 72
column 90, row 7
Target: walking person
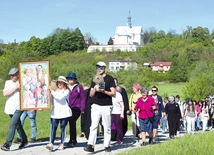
column 60, row 112
column 164, row 123
column 123, row 92
column 198, row 119
column 190, row 115
column 204, row 115
column 32, row 117
column 158, row 113
column 132, row 102
column 12, row 108
column 145, row 108
column 173, row 116
column 101, row 108
column 118, row 116
column 77, row 105
column 82, row 117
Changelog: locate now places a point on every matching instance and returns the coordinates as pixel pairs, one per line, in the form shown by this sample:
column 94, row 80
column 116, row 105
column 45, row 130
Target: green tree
column 201, row 81
column 179, row 69
column 110, row 41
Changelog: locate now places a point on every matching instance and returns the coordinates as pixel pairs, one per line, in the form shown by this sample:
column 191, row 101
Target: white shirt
column 60, row 104
column 117, row 109
column 12, row 101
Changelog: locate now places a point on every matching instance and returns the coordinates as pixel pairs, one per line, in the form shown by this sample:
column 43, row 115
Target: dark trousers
column 15, row 123
column 72, row 124
column 54, row 122
column 115, row 118
column 173, row 127
column 82, row 122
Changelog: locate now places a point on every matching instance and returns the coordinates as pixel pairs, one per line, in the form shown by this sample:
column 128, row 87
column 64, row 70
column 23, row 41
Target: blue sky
column 23, row 19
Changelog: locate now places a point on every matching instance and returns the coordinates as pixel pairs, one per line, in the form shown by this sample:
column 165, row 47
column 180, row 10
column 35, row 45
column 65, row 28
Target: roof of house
column 163, row 63
column 125, row 30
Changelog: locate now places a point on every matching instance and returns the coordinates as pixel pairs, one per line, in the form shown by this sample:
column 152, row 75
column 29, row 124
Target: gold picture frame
column 34, row 78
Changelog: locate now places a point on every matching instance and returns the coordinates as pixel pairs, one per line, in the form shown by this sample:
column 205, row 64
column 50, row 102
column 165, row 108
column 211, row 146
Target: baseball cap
column 101, row 63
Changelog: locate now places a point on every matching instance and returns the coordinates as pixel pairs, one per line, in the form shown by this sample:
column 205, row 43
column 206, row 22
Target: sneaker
column 82, row 135
column 89, row 148
column 119, row 142
column 143, row 144
column 5, row 147
column 23, row 144
column 71, row 143
column 61, row 147
column 17, row 140
column 33, row 140
column 107, row 149
column 49, row 146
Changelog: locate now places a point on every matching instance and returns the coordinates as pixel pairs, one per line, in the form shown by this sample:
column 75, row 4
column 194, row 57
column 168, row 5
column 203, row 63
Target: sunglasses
column 154, row 90
column 100, row 67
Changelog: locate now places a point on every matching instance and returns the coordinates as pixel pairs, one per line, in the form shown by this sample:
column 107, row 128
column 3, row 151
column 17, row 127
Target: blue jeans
column 163, row 122
column 198, row 122
column 15, row 123
column 54, row 124
column 32, row 117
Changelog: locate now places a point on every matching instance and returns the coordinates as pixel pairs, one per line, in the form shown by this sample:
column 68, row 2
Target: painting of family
column 34, row 80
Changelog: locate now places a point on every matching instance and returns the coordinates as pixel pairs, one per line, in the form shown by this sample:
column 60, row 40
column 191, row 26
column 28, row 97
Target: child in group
column 60, row 112
column 26, row 95
column 31, row 101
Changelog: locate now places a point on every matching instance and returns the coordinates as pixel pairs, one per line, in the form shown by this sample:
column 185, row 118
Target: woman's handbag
column 152, row 119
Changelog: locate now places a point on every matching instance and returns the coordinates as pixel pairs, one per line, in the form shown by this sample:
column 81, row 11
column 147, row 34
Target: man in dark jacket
column 158, row 112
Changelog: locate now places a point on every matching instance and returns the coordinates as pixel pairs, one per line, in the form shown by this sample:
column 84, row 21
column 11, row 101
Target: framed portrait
column 34, row 79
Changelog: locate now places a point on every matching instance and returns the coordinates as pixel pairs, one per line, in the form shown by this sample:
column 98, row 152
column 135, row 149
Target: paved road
column 39, row 148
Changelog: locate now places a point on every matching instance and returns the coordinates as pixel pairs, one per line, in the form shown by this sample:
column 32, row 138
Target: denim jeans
column 15, row 123
column 32, row 117
column 198, row 122
column 163, row 122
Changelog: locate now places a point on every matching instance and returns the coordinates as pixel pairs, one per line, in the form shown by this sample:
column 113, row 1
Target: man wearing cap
column 12, row 108
column 101, row 108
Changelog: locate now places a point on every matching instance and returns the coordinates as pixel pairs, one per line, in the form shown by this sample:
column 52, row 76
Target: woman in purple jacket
column 77, row 105
column 145, row 107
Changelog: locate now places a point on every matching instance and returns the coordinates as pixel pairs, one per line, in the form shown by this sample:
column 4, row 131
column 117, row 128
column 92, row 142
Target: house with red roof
column 161, row 67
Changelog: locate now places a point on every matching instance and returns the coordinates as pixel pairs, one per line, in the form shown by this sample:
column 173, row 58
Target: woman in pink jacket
column 145, row 108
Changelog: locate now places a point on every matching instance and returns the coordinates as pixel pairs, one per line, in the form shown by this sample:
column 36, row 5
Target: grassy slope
column 43, row 117
column 198, row 144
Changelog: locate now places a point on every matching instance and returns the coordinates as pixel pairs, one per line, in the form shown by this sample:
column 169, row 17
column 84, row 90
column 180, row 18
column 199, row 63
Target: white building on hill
column 126, row 38
column 116, row 65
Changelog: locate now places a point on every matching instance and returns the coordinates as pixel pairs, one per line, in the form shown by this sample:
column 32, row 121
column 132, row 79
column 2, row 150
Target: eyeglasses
column 100, row 67
column 154, row 90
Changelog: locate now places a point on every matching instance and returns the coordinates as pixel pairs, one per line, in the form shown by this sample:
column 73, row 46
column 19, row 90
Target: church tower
column 129, row 21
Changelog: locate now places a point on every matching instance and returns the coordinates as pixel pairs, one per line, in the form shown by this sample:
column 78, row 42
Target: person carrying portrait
column 60, row 112
column 12, row 108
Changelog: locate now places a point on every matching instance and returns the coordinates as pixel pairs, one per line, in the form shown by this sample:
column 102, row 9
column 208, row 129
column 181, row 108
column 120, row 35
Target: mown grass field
column 198, row 144
column 43, row 117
